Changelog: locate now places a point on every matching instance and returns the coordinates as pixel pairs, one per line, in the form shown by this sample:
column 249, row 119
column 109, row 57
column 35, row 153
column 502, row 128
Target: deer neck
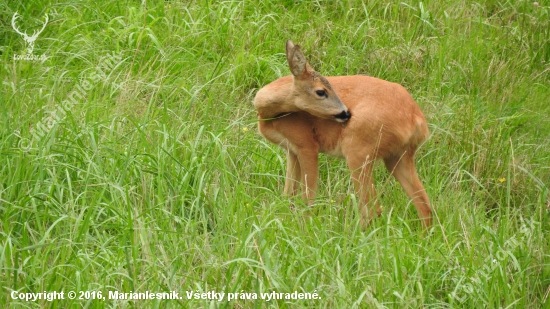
column 275, row 104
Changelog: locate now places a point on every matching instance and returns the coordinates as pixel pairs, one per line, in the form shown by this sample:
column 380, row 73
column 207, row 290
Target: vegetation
column 130, row 162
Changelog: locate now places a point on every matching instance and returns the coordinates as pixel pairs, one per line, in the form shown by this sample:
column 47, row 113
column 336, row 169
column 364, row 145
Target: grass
column 154, row 178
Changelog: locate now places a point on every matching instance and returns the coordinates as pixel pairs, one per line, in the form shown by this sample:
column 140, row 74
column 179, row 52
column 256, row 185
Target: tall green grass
column 156, row 180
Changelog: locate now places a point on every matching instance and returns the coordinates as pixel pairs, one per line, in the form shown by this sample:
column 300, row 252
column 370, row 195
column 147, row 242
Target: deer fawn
column 360, row 118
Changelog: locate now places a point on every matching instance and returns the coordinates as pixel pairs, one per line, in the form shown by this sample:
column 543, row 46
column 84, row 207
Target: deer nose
column 343, row 116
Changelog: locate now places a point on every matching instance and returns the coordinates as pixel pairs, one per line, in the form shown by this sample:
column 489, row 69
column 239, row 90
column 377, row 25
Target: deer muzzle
column 343, row 116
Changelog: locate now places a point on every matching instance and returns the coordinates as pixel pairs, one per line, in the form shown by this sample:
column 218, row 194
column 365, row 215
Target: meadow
column 130, row 159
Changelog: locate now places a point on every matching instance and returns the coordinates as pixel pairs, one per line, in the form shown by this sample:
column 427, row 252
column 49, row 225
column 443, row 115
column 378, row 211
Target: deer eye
column 321, row 93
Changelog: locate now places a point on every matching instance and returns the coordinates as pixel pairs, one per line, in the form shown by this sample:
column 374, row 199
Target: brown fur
column 385, row 123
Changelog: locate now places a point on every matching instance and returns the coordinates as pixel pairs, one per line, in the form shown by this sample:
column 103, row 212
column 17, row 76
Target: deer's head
column 312, row 91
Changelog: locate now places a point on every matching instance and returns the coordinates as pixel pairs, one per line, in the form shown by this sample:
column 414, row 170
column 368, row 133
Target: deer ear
column 296, row 60
column 289, row 46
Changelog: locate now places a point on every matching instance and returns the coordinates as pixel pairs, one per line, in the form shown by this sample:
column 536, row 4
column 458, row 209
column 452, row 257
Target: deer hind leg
column 363, row 181
column 403, row 169
column 292, row 181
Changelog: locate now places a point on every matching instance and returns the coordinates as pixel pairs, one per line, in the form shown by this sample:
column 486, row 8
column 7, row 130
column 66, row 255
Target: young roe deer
column 360, row 118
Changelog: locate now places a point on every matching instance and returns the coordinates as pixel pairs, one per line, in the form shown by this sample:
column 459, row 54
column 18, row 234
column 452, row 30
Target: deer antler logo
column 29, row 39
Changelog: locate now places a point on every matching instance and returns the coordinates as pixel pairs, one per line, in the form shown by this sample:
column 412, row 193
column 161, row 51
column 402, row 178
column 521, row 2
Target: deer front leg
column 309, row 171
column 292, row 180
